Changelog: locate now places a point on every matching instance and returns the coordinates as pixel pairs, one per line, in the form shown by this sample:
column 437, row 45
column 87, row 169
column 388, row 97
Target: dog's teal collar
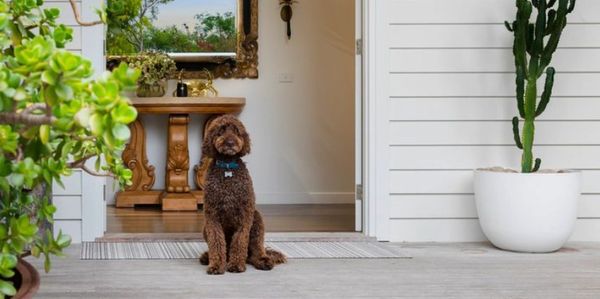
column 227, row 165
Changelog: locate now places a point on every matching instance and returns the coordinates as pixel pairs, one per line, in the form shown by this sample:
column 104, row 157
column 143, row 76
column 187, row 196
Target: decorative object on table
column 53, row 117
column 156, row 68
column 286, row 15
column 202, row 87
column 531, row 211
column 182, row 90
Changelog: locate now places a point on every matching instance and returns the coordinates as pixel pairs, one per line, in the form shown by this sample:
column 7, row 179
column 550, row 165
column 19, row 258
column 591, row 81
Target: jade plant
column 53, row 117
column 534, row 44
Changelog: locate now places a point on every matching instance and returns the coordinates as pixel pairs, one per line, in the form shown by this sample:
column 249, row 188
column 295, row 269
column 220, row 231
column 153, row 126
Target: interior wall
column 302, row 131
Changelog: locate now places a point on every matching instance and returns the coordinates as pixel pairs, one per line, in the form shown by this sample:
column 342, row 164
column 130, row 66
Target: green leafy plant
column 53, row 118
column 534, row 45
column 154, row 66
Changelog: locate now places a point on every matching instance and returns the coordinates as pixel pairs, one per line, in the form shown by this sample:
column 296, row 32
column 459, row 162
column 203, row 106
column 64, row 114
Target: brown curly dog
column 233, row 229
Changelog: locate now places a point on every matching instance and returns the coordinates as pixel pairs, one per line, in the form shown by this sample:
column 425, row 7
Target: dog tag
column 228, row 174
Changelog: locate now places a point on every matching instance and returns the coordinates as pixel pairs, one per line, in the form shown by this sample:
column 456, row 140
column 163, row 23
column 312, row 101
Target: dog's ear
column 208, row 147
column 244, row 135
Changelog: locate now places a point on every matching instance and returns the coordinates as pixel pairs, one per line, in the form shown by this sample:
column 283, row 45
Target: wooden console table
column 177, row 195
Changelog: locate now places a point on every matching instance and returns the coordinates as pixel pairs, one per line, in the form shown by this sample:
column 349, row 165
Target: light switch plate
column 286, row 78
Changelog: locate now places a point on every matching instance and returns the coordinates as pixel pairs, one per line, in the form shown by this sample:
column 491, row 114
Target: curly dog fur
column 233, row 229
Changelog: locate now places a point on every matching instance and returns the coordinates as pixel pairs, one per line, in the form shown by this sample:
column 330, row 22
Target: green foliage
column 122, row 26
column 131, row 30
column 170, row 39
column 154, row 67
column 533, row 48
column 53, row 117
column 128, row 22
column 216, row 33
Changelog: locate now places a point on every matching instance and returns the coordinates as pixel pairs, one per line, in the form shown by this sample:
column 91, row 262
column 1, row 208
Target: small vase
column 154, row 90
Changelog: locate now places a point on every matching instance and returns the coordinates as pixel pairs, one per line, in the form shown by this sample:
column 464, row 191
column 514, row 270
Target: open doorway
column 303, row 113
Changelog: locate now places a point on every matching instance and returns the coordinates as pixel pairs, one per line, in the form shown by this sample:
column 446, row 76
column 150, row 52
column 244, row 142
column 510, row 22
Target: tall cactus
column 534, row 45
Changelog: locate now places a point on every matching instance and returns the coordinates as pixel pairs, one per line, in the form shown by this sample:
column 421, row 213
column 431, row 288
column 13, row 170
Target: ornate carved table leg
column 136, row 159
column 178, row 196
column 201, row 168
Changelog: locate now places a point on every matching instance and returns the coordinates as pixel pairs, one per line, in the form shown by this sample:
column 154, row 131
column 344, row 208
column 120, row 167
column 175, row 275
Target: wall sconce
column 286, row 14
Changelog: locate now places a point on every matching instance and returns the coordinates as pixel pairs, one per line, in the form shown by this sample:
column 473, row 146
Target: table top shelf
column 188, row 105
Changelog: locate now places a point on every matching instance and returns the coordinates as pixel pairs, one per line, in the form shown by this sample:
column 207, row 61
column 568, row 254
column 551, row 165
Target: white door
column 358, row 119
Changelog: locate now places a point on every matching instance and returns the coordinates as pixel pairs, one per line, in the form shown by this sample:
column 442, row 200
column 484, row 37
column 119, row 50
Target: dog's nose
column 230, row 142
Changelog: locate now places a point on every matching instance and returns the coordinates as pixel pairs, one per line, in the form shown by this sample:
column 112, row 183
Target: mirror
column 218, row 35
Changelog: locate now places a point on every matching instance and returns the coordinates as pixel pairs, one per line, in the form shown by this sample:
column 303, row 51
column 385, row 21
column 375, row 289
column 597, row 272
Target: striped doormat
column 192, row 250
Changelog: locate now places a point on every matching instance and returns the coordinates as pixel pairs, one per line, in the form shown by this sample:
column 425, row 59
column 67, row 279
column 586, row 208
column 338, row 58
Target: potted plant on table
column 530, row 211
column 53, row 117
column 156, row 67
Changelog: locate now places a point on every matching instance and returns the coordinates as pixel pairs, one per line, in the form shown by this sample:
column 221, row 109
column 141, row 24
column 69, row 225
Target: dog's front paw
column 264, row 263
column 236, row 268
column 215, row 270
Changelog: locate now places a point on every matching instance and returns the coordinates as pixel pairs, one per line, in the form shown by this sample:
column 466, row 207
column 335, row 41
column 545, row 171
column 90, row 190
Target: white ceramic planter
column 533, row 212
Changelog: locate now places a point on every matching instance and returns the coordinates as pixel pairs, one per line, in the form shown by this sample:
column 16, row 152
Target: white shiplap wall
column 448, row 69
column 80, row 204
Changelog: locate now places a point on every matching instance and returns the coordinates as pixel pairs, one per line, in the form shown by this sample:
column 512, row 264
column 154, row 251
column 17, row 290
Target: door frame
column 372, row 216
column 375, row 146
column 358, row 116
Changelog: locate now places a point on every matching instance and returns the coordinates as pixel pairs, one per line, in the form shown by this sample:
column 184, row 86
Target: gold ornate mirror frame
column 243, row 65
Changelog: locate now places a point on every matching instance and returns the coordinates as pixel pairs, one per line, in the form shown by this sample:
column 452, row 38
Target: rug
column 192, row 250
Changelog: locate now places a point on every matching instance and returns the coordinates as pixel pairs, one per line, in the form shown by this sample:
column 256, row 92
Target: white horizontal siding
column 76, row 43
column 496, row 60
column 449, row 67
column 492, row 133
column 486, row 84
column 472, row 157
column 67, row 207
column 71, row 185
column 488, row 109
column 436, row 230
column 427, row 206
column 458, row 182
column 468, row 230
column 480, row 36
column 473, row 11
column 70, row 200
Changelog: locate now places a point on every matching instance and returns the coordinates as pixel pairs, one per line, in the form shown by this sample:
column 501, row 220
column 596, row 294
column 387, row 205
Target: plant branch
column 19, row 154
column 80, row 162
column 95, row 173
column 78, row 18
column 13, row 118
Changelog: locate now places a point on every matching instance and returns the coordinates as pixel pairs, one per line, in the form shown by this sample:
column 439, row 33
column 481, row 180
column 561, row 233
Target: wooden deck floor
column 435, row 271
column 278, row 218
